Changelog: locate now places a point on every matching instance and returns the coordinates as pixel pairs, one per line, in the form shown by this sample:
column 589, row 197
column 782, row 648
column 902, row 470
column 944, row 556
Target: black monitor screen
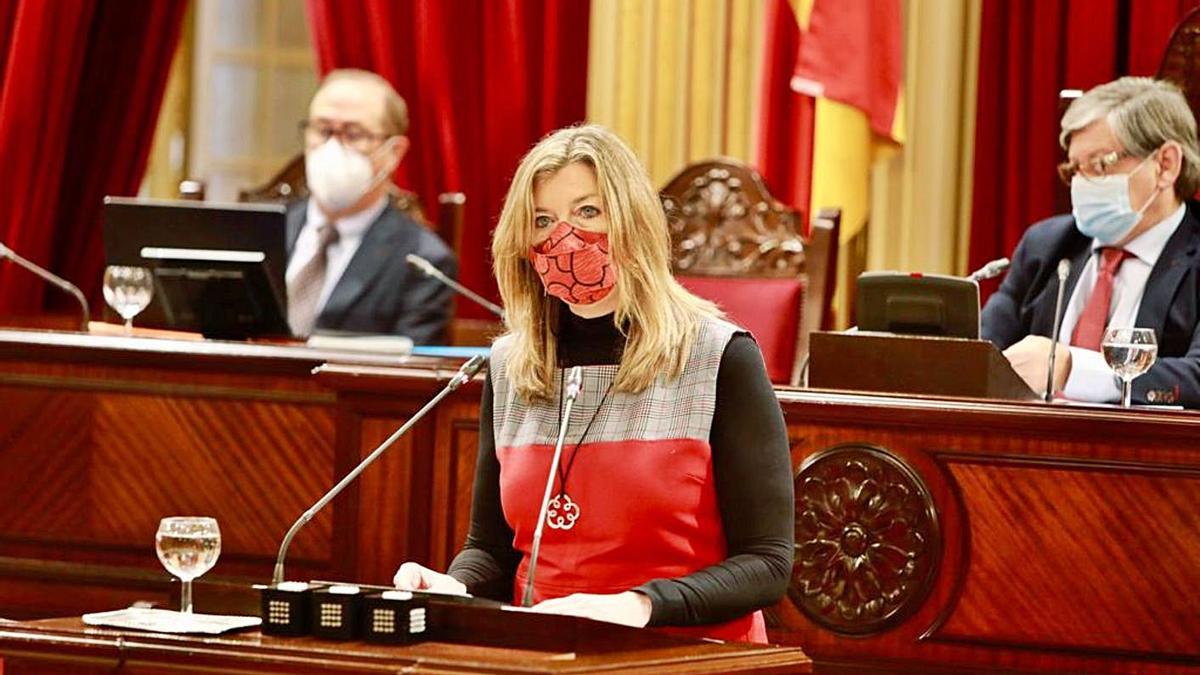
column 920, row 304
column 218, row 268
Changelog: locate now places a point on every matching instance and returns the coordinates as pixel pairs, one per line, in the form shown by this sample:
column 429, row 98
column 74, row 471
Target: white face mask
column 338, row 176
column 1102, row 208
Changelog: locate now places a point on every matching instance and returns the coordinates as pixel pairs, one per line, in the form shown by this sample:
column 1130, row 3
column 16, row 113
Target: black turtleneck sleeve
column 752, row 469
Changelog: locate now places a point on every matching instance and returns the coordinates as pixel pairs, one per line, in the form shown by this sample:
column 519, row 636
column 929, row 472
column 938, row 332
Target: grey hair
column 1143, row 114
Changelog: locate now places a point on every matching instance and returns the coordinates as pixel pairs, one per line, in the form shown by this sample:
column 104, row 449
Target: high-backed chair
column 291, row 183
column 1181, row 60
column 735, row 244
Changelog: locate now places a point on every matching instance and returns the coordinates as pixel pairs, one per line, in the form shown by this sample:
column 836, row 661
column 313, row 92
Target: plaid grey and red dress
column 642, row 480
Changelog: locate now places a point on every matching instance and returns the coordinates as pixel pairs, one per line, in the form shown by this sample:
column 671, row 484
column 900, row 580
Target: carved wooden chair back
column 735, row 244
column 1181, row 60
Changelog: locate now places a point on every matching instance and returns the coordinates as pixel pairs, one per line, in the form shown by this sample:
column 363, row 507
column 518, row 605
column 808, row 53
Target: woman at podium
column 672, row 505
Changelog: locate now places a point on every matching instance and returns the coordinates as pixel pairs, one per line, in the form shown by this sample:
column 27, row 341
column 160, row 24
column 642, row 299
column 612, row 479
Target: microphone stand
column 431, row 271
column 51, row 278
column 574, row 383
column 464, row 375
column 1064, row 268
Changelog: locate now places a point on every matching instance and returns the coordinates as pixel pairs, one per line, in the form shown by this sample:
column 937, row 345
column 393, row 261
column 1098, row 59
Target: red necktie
column 1094, row 319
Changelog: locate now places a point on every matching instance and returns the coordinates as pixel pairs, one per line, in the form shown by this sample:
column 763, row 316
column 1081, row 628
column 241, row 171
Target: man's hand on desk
column 1030, row 358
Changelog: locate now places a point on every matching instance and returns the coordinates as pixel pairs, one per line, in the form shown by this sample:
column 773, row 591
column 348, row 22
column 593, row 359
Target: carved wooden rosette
column 723, row 222
column 867, row 540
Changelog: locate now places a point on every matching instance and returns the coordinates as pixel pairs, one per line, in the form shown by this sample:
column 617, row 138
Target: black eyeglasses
column 316, row 132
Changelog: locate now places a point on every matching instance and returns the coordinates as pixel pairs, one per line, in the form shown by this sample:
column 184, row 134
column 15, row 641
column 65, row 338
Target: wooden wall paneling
column 455, row 454
column 392, row 514
column 385, row 496
column 1069, row 540
column 1048, row 533
column 1073, row 545
column 99, row 444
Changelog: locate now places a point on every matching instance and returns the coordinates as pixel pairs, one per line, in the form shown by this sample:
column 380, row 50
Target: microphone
column 990, row 270
column 6, row 252
column 431, row 271
column 464, row 375
column 1064, row 268
column 574, row 384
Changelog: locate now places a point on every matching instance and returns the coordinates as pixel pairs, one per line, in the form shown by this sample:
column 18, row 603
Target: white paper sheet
column 166, row 621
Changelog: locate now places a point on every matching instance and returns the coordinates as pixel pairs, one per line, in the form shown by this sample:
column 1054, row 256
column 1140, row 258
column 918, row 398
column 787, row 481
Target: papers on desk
column 379, row 344
column 166, row 621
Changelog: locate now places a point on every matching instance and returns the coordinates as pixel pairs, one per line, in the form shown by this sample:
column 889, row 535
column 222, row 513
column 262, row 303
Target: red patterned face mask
column 574, row 264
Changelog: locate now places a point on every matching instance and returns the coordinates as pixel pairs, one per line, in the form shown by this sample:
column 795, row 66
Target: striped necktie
column 305, row 288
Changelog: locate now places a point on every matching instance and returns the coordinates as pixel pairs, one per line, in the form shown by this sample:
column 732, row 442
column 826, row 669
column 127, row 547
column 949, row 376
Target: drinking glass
column 1129, row 352
column 128, row 290
column 188, row 546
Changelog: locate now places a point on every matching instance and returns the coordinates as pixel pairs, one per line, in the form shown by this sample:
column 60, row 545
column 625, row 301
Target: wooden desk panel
column 499, row 644
column 1049, row 538
column 1068, row 537
column 101, row 437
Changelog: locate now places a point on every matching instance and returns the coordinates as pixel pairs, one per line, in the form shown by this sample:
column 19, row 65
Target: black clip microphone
column 990, row 270
column 1064, row 268
column 6, row 252
column 574, row 384
column 431, row 271
column 464, row 375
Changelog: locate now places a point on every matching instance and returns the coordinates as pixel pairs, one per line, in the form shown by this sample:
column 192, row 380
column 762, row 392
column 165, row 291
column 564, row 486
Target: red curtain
column 785, row 129
column 79, row 95
column 483, row 79
column 1029, row 50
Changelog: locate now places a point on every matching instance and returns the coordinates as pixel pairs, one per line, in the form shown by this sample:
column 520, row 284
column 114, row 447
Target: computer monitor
column 920, row 304
column 218, row 268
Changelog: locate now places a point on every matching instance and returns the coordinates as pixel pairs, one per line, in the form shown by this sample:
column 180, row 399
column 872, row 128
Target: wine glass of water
column 1129, row 352
column 128, row 290
column 188, row 546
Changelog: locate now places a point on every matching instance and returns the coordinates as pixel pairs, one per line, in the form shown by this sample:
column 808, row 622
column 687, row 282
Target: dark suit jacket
column 1024, row 305
column 380, row 292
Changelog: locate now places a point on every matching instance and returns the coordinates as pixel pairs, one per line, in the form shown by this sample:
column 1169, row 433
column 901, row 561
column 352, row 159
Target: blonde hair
column 395, row 110
column 1143, row 113
column 659, row 316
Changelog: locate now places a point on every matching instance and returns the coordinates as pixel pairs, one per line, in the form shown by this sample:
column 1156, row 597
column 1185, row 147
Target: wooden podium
column 911, row 364
column 467, row 638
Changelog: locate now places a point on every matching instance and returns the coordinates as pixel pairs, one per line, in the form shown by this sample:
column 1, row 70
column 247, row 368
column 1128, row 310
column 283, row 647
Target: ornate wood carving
column 867, row 540
column 1181, row 61
column 724, row 222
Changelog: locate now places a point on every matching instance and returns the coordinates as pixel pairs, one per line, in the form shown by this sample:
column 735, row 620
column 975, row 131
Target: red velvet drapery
column 79, row 95
column 483, row 81
column 1029, row 50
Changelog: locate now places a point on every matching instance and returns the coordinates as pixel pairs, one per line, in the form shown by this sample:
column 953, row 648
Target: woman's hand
column 414, row 577
column 628, row 608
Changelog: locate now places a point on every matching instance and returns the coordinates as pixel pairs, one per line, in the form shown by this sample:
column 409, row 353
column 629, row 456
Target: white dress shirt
column 1091, row 379
column 350, row 235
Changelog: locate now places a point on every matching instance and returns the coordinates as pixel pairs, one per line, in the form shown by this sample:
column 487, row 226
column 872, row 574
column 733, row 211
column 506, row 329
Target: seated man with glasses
column 346, row 243
column 1132, row 239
